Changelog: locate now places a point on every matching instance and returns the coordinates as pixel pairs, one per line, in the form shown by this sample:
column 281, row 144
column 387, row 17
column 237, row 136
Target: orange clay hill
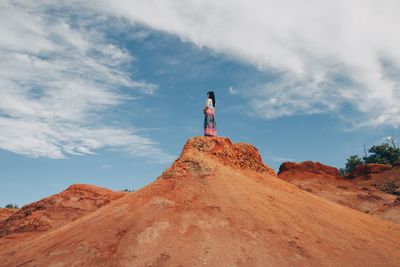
column 359, row 192
column 5, row 213
column 217, row 205
column 382, row 176
column 55, row 211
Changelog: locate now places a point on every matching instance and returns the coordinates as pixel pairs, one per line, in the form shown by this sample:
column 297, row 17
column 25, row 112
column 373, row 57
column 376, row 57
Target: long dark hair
column 212, row 96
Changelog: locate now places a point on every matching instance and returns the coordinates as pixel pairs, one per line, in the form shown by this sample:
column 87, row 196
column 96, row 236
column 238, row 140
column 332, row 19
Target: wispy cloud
column 328, row 55
column 279, row 159
column 105, row 166
column 232, row 91
column 58, row 78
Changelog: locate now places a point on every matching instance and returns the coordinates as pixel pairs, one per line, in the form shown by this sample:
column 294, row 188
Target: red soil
column 5, row 213
column 59, row 209
column 367, row 169
column 217, row 205
column 385, row 175
column 387, row 180
column 324, row 181
column 308, row 167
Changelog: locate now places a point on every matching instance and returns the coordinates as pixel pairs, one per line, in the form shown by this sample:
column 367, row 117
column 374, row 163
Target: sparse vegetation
column 12, row 206
column 385, row 153
column 351, row 163
column 390, row 188
column 127, row 190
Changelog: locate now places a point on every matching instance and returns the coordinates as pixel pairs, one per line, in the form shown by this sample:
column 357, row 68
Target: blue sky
column 108, row 94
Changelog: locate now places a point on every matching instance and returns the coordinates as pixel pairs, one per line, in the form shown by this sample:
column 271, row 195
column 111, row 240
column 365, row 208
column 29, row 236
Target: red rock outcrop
column 371, row 168
column 385, row 178
column 213, row 208
column 5, row 213
column 59, row 209
column 325, row 181
column 308, row 167
column 197, row 149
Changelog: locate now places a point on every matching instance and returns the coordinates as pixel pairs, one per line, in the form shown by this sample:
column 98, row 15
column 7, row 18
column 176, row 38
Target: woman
column 209, row 119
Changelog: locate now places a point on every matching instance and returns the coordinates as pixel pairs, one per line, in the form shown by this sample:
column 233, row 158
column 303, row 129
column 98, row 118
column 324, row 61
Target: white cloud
column 328, row 54
column 232, row 91
column 105, row 166
column 58, row 76
column 279, row 159
column 58, row 80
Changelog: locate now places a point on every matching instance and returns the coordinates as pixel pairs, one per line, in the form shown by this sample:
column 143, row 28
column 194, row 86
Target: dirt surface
column 379, row 179
column 217, row 205
column 5, row 213
column 367, row 169
column 57, row 210
column 325, row 181
column 308, row 167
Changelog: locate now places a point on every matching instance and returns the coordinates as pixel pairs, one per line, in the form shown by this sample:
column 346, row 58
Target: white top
column 209, row 103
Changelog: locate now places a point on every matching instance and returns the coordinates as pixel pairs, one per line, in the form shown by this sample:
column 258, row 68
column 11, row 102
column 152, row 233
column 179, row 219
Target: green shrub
column 385, row 153
column 11, row 206
column 351, row 163
column 127, row 190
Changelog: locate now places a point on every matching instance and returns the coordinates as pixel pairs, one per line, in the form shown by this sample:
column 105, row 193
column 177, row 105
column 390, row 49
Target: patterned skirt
column 209, row 122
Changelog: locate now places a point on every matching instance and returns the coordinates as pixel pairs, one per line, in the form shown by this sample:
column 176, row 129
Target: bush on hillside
column 11, row 206
column 351, row 163
column 127, row 190
column 385, row 153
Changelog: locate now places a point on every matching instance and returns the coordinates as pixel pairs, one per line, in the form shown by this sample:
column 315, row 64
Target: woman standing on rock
column 209, row 112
